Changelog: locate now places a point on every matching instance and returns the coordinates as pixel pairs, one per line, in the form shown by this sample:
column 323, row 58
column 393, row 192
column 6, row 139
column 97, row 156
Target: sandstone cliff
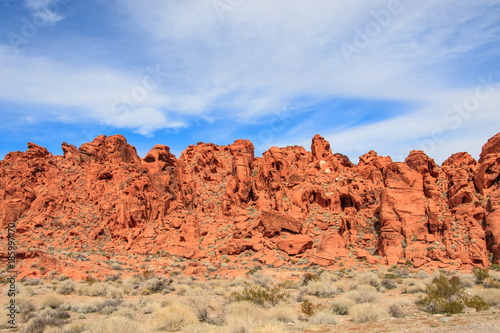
column 288, row 205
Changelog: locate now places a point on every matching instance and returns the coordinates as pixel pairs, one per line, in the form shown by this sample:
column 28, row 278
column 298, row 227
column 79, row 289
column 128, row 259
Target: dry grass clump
column 51, row 301
column 389, row 284
column 270, row 327
column 490, row 296
column 260, row 279
column 323, row 318
column 283, row 314
column 396, row 309
column 363, row 294
column 174, row 317
column 238, row 281
column 411, row 286
column 321, row 289
column 365, row 312
column 243, row 317
column 66, row 287
column 117, row 324
column 92, row 290
column 342, row 306
column 368, row 278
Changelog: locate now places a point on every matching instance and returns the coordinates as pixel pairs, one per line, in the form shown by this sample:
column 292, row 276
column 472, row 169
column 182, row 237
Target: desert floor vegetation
column 263, row 299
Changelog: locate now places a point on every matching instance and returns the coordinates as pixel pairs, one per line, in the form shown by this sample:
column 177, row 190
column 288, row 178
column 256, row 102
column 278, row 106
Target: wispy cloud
column 46, row 9
column 265, row 56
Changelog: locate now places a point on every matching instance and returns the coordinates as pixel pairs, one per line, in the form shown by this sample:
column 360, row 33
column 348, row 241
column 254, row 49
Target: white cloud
column 261, row 56
column 46, row 11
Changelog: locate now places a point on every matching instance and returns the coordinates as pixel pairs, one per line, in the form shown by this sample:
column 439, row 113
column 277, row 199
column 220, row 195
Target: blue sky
column 385, row 75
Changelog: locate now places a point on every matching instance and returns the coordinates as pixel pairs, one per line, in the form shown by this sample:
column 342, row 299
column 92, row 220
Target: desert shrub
column 446, row 295
column 93, row 289
column 481, row 274
column 53, row 329
column 309, row 308
column 109, row 303
column 39, row 324
column 323, row 318
column 396, row 310
column 389, row 284
column 363, row 294
column 238, row 281
column 490, row 296
column 260, row 279
column 411, row 286
column 321, row 289
column 52, row 301
column 200, row 306
column 174, row 317
column 63, row 277
column 489, row 282
column 117, row 324
column 307, row 277
column 84, row 308
column 181, row 289
column 328, row 277
column 259, row 295
column 114, row 292
column 158, row 284
column 289, row 284
column 362, row 313
column 467, row 280
column 73, row 328
column 369, row 278
column 243, row 316
column 66, row 287
column 283, row 314
column 127, row 313
column 342, row 306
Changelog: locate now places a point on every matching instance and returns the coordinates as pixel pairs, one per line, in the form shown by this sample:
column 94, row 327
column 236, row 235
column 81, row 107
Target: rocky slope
column 213, row 202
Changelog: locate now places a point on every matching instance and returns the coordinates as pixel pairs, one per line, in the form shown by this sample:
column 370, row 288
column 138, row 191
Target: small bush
column 117, row 324
column 39, row 324
column 174, row 317
column 363, row 294
column 243, row 317
column 259, row 295
column 66, row 287
column 481, row 274
column 342, row 306
column 289, row 284
column 362, row 313
column 396, row 310
column 447, row 296
column 321, row 289
column 307, row 277
column 283, row 314
column 260, row 279
column 389, row 284
column 309, row 308
column 51, row 301
column 323, row 318
column 490, row 296
column 369, row 278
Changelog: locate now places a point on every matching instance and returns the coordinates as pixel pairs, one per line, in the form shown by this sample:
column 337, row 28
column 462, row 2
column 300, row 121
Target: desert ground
column 256, row 298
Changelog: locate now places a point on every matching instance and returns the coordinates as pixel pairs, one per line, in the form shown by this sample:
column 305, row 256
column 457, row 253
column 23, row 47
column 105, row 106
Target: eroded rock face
column 289, row 204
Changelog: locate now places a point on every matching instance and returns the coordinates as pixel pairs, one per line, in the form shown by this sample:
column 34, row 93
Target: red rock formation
column 217, row 201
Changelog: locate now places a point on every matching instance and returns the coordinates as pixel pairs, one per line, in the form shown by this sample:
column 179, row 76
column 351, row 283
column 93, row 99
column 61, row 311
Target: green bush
column 481, row 274
column 447, row 296
column 260, row 295
column 309, row 308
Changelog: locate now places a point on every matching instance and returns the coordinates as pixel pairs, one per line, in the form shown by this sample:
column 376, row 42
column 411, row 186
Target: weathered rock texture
column 290, row 205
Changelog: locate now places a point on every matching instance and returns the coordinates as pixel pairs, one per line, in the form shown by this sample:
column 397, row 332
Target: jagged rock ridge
column 290, row 204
